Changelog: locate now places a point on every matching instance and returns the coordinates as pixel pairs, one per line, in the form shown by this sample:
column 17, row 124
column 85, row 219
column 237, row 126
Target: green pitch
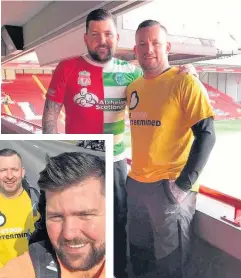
column 228, row 126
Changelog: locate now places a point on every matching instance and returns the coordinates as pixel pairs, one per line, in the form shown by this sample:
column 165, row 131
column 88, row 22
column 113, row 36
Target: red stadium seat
column 28, row 96
column 224, row 106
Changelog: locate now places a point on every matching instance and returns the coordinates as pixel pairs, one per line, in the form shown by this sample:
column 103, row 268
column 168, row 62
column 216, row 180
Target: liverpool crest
column 84, row 78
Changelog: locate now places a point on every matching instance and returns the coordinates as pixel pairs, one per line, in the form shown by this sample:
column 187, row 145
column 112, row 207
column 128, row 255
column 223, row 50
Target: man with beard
column 17, row 216
column 92, row 88
column 74, row 186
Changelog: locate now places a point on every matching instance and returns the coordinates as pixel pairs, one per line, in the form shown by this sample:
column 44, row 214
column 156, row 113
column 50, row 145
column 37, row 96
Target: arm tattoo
column 50, row 116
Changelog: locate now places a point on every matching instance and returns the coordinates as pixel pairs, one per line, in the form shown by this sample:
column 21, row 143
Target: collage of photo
column 120, row 141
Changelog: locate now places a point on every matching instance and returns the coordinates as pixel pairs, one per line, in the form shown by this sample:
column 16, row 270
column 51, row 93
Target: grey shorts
column 157, row 224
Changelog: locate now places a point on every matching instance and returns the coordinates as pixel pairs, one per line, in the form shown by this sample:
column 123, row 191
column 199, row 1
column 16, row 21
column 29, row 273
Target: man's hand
column 187, row 69
column 177, row 192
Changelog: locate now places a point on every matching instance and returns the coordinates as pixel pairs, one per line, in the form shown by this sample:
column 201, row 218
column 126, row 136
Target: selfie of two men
column 52, row 209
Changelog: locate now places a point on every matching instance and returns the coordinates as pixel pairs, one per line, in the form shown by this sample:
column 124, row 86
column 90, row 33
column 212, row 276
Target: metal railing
column 31, row 127
column 226, row 199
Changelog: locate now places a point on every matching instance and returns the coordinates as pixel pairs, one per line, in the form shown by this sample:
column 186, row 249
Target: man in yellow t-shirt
column 74, row 187
column 16, row 214
column 172, row 133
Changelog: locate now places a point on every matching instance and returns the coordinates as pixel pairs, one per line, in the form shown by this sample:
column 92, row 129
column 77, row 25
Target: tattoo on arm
column 50, row 116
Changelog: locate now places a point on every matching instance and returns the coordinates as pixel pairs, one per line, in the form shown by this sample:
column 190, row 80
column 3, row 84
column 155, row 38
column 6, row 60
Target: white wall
column 225, row 82
column 3, row 76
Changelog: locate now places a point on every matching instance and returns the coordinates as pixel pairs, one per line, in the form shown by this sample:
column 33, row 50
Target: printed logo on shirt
column 120, row 78
column 141, row 119
column 2, row 219
column 134, row 100
column 112, row 104
column 85, row 98
column 11, row 233
column 84, row 78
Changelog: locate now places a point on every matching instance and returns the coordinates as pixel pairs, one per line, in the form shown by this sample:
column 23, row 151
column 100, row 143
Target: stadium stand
column 24, row 98
column 27, row 95
column 224, row 106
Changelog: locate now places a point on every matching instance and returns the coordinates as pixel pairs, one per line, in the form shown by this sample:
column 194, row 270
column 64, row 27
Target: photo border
column 109, row 270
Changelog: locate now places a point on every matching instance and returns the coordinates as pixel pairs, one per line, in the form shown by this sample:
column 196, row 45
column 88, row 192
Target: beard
column 96, row 57
column 81, row 262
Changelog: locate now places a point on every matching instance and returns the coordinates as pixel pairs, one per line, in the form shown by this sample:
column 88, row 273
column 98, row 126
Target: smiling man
column 74, row 186
column 16, row 214
column 92, row 89
column 172, row 132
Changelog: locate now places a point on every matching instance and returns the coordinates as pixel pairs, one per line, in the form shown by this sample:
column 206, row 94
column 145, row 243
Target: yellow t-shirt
column 16, row 220
column 162, row 111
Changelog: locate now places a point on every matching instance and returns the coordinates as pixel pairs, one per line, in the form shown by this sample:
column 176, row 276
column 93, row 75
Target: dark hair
column 149, row 23
column 10, row 152
column 71, row 167
column 98, row 15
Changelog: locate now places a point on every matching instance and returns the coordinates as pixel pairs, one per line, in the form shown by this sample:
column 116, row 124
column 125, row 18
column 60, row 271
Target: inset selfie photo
column 53, row 207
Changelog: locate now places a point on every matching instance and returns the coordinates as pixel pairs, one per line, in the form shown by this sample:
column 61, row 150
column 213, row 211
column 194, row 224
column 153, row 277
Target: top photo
column 164, row 78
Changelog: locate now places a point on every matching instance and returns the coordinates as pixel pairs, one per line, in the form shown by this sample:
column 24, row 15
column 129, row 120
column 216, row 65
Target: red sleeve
column 57, row 86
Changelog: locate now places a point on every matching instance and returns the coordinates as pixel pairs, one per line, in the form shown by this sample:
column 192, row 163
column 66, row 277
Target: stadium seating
column 223, row 105
column 26, row 97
